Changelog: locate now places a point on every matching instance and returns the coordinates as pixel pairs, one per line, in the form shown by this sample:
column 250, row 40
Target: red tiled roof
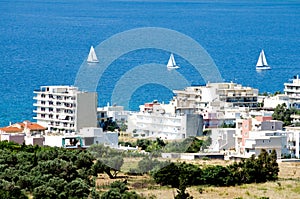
column 35, row 126
column 19, row 127
column 32, row 126
column 11, row 129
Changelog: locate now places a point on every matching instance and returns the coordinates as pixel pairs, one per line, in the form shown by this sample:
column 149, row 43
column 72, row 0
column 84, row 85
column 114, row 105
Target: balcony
column 292, row 90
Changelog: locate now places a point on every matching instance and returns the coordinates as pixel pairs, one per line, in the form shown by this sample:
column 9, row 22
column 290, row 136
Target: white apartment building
column 222, row 139
column 233, row 94
column 293, row 134
column 214, row 100
column 117, row 113
column 273, row 101
column 97, row 136
column 190, row 97
column 65, row 109
column 292, row 89
column 157, row 121
column 267, row 140
column 254, row 134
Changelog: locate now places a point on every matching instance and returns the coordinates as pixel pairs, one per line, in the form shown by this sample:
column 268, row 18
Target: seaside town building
column 65, row 109
column 222, row 139
column 155, row 120
column 85, row 138
column 230, row 93
column 268, row 140
column 114, row 113
column 214, row 100
column 293, row 135
column 254, row 134
column 270, row 102
column 97, row 136
column 26, row 131
column 292, row 89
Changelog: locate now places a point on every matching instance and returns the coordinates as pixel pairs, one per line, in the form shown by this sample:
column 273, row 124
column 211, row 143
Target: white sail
column 264, row 60
column 262, row 63
column 259, row 61
column 171, row 63
column 92, row 57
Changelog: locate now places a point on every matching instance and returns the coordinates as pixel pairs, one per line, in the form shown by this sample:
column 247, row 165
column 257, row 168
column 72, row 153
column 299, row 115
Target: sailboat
column 262, row 62
column 92, row 57
column 171, row 63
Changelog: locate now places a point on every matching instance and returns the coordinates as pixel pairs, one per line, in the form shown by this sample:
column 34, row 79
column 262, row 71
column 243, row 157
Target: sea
column 46, row 42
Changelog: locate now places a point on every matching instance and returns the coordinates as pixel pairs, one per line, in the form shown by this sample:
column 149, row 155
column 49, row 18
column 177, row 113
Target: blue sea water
column 45, row 43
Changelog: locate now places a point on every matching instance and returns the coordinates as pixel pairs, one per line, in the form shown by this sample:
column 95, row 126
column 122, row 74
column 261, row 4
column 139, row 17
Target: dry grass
column 127, row 137
column 288, row 185
column 289, row 170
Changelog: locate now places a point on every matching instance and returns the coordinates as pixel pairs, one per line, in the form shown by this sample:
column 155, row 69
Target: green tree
column 148, row 163
column 119, row 190
column 44, row 191
column 282, row 113
column 113, row 193
column 78, row 188
column 217, row 175
column 143, row 143
column 9, row 190
column 181, row 194
column 175, row 173
column 111, row 167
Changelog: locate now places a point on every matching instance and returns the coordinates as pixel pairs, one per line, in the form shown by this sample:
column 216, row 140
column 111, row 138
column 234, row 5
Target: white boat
column 262, row 63
column 171, row 63
column 92, row 57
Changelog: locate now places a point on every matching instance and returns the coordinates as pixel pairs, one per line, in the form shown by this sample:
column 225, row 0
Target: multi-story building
column 189, row 98
column 65, row 109
column 222, row 139
column 234, row 94
column 292, row 89
column 293, row 134
column 271, row 102
column 261, row 132
column 213, row 100
column 230, row 93
column 268, row 140
column 28, row 132
column 156, row 120
column 117, row 113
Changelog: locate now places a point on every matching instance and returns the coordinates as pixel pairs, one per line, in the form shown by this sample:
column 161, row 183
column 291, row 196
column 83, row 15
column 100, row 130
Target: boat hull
column 263, row 67
column 172, row 67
